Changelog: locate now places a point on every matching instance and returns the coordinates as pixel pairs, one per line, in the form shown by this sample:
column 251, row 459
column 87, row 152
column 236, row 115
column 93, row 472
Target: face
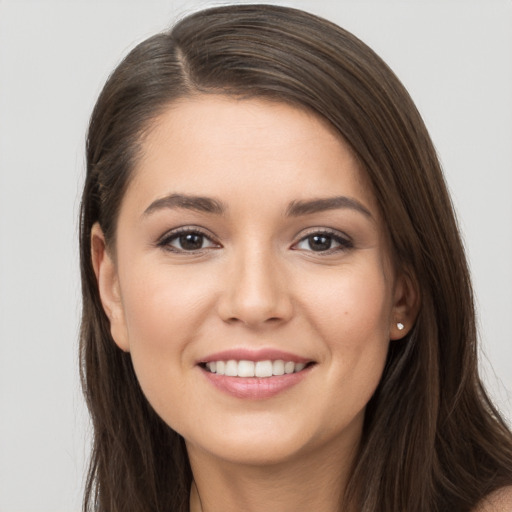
column 252, row 283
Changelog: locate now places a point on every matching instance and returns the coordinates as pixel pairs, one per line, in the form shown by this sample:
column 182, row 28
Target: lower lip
column 255, row 388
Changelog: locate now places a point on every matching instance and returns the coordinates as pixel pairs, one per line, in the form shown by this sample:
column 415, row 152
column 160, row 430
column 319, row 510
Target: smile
column 262, row 369
column 255, row 374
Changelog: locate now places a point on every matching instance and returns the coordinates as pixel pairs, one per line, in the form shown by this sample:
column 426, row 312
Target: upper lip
column 264, row 354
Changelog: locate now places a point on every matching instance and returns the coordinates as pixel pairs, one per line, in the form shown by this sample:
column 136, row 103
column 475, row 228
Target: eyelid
column 342, row 239
column 164, row 240
column 345, row 242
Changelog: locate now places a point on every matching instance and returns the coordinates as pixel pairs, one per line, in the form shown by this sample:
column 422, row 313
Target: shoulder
column 497, row 501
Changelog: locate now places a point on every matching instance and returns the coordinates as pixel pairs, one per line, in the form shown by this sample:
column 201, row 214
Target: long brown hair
column 432, row 440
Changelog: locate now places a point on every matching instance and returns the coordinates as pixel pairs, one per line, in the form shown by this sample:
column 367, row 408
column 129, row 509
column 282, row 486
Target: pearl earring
column 400, row 326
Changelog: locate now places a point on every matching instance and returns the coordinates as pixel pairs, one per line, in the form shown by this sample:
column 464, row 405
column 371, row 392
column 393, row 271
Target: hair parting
column 432, row 439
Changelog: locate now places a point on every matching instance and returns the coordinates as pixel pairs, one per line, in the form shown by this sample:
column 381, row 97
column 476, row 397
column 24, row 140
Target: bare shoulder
column 497, row 501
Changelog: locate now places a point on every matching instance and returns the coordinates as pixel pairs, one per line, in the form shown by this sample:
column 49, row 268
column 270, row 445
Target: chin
column 259, row 451
column 269, row 441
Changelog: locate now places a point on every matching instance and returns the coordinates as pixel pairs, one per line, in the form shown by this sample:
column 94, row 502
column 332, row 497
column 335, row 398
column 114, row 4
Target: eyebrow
column 295, row 208
column 298, row 208
column 196, row 203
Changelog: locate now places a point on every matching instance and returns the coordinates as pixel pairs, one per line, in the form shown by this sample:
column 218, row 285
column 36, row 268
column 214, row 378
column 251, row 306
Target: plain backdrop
column 454, row 56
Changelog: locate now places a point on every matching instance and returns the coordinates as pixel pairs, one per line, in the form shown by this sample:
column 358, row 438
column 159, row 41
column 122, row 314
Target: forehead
column 216, row 144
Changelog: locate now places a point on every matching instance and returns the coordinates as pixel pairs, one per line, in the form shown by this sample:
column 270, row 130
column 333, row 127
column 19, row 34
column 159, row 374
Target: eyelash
column 344, row 243
column 176, row 234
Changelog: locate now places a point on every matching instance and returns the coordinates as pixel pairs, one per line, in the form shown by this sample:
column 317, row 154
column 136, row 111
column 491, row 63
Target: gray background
column 454, row 56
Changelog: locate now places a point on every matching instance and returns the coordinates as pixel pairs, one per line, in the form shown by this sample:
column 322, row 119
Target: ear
column 405, row 306
column 108, row 286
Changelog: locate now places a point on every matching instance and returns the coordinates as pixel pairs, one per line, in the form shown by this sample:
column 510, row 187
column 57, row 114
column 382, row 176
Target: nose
column 255, row 292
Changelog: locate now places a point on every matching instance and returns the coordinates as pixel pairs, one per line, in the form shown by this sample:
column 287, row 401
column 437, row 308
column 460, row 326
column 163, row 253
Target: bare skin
column 319, row 485
column 250, row 229
column 498, row 501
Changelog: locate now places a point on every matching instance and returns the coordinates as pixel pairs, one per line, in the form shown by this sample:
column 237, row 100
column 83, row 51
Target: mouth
column 258, row 369
column 255, row 375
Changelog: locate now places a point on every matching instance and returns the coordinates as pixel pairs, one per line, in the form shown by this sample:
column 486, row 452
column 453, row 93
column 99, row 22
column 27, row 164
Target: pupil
column 191, row 241
column 320, row 242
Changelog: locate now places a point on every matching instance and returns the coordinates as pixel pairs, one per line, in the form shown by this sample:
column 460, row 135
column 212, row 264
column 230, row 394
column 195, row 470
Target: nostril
column 251, row 319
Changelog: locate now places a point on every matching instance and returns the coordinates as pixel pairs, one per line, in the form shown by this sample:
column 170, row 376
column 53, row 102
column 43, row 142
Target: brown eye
column 319, row 242
column 323, row 242
column 186, row 241
column 190, row 241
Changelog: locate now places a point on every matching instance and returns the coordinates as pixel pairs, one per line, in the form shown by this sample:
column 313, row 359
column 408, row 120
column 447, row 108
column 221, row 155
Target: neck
column 315, row 481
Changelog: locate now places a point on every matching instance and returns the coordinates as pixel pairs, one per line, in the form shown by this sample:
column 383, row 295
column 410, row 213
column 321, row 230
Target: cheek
column 164, row 311
column 352, row 306
column 352, row 316
column 162, row 303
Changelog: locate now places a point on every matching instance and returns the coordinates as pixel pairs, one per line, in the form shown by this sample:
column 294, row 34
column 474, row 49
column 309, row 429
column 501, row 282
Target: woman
column 277, row 312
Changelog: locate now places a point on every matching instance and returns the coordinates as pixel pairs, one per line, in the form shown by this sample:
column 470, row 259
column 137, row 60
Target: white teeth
column 263, row 369
column 278, row 367
column 231, row 369
column 289, row 367
column 220, row 367
column 245, row 368
column 299, row 367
